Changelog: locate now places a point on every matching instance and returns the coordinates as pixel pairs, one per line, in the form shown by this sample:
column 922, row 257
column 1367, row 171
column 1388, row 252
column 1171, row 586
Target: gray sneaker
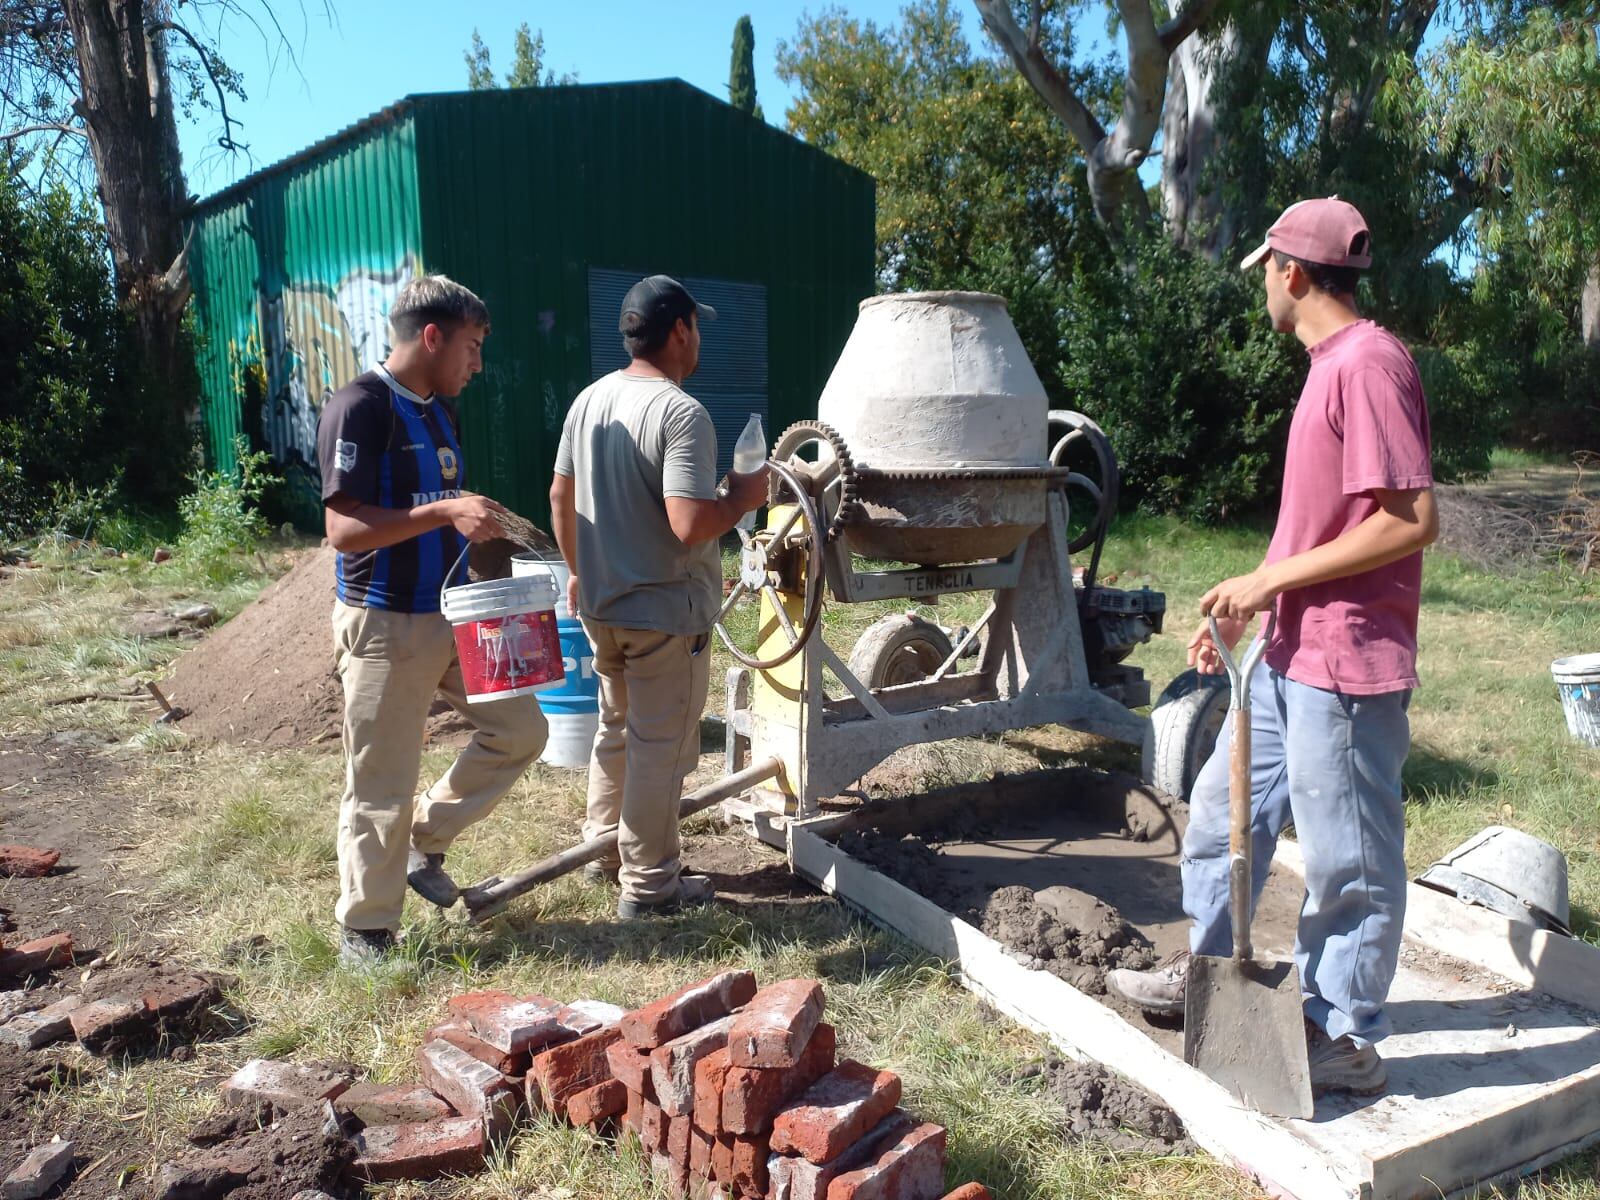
column 364, row 947
column 428, row 878
column 1343, row 1066
column 1158, row 990
column 598, row 874
column 693, row 891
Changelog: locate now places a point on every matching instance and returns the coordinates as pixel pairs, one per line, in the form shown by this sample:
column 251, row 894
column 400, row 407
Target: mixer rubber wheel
column 898, row 649
column 1186, row 722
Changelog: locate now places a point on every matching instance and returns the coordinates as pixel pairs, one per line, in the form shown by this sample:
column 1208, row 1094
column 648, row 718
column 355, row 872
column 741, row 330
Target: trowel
column 1243, row 1023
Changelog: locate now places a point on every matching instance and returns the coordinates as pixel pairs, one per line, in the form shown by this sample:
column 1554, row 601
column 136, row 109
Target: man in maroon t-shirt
column 1329, row 726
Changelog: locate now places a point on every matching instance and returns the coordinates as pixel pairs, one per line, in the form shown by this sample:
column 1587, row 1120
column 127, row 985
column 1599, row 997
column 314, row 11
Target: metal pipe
column 485, row 899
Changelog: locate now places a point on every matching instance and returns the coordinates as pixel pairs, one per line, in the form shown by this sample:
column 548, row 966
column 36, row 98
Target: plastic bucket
column 506, row 636
column 571, row 709
column 1578, row 680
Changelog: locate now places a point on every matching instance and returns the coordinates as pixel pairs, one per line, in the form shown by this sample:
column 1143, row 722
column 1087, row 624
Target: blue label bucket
column 1578, row 680
column 572, row 710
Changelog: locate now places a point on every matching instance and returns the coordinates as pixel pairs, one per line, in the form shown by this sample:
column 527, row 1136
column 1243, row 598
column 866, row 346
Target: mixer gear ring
column 802, row 433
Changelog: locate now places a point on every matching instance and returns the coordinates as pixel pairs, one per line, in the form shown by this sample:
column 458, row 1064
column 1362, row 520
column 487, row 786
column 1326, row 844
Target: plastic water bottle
column 749, row 452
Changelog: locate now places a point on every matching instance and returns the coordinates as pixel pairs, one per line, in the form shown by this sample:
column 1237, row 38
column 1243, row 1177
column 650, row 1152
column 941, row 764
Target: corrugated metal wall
column 294, row 272
column 518, row 193
column 523, row 191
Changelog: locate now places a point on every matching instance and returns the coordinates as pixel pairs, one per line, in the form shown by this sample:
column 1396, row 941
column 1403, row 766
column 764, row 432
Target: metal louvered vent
column 732, row 379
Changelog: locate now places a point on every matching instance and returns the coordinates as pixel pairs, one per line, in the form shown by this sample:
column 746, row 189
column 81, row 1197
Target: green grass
column 245, row 847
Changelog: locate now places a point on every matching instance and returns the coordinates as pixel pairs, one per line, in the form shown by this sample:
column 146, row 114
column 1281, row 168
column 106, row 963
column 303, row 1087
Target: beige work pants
column 391, row 663
column 652, row 692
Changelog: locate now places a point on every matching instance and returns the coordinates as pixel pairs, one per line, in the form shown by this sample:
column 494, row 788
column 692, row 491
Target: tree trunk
column 1589, row 315
column 126, row 106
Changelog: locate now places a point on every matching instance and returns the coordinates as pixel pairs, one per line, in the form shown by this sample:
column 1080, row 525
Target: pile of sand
column 267, row 677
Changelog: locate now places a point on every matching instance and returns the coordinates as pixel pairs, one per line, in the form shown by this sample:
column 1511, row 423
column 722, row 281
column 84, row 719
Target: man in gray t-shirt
column 637, row 514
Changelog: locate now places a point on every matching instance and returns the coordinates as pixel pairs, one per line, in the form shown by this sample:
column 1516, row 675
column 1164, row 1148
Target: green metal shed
column 548, row 202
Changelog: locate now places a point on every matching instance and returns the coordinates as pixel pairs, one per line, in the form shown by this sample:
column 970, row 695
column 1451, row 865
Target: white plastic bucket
column 506, row 636
column 1578, row 680
column 572, row 710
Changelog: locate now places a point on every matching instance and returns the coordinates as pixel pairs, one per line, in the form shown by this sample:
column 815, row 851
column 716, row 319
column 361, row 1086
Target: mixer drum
column 946, row 422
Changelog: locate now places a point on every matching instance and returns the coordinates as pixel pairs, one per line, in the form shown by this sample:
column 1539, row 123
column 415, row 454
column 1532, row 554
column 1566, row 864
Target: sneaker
column 598, row 874
column 1158, row 990
column 693, row 890
column 1341, row 1065
column 364, row 947
column 428, row 878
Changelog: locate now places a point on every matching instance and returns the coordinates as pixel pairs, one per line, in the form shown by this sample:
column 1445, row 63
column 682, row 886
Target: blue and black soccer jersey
column 379, row 443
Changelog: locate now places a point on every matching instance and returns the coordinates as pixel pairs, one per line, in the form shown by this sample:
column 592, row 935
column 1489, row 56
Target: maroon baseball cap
column 1329, row 231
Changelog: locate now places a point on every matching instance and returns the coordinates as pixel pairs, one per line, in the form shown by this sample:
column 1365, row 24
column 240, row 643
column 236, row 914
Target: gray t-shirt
column 628, row 443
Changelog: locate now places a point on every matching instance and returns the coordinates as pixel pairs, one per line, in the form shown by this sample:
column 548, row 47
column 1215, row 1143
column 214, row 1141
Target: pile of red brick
column 733, row 1092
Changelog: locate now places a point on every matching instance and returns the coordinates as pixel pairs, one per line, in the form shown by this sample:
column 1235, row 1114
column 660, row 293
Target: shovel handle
column 1239, row 864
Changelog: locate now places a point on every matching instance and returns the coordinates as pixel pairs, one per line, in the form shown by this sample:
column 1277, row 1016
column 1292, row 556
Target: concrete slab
column 1494, row 1066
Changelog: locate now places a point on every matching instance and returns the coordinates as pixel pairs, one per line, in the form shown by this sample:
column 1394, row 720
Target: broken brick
column 180, row 997
column 511, row 1024
column 564, row 1070
column 970, row 1191
column 633, row 1113
column 586, row 1016
column 419, row 1150
column 391, row 1104
column 688, row 1008
column 833, row 1113
column 750, row 1153
column 103, row 1025
column 45, row 1167
column 775, row 1026
column 672, row 1064
column 653, row 1129
column 800, row 1179
column 678, row 1138
column 632, row 1067
column 43, row 1026
column 753, row 1096
column 459, row 1034
column 595, row 1105
column 41, row 954
column 912, row 1168
column 700, row 1143
column 472, row 1088
column 709, row 1075
column 282, row 1085
column 25, row 862
column 722, row 1158
column 673, row 1174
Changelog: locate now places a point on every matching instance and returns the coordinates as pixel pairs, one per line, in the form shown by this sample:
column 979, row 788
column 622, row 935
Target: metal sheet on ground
column 1489, row 1077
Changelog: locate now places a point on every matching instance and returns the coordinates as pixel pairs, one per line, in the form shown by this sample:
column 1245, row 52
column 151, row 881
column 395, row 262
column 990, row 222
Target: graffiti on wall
column 318, row 337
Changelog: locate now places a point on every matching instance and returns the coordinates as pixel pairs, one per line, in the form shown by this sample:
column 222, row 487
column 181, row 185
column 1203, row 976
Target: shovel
column 1243, row 1023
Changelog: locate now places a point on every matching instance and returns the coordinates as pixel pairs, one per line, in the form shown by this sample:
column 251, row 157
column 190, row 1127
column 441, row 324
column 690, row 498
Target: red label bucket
column 506, row 636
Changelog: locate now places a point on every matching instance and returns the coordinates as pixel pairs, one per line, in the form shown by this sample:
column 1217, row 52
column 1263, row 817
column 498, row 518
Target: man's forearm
column 1382, row 538
column 564, row 524
column 361, row 527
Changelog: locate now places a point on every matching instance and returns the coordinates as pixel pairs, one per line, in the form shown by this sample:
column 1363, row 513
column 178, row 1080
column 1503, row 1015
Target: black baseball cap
column 656, row 303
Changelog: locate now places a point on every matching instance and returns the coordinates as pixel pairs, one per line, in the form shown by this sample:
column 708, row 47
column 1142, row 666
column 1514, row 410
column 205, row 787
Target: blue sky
column 377, row 51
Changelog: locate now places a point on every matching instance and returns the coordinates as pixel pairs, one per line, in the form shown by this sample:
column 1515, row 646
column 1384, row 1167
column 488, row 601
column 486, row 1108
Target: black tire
column 899, row 649
column 1186, row 728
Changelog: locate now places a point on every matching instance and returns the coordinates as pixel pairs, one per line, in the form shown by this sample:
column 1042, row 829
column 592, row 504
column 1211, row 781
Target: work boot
column 693, row 891
column 364, row 947
column 1158, row 990
column 1341, row 1065
column 428, row 878
column 598, row 873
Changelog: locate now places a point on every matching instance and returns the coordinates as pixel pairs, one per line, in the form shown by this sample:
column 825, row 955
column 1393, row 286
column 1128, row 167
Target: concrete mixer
column 929, row 472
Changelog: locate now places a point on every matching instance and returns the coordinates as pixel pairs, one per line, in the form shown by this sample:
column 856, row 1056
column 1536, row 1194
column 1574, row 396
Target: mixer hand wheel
column 789, row 553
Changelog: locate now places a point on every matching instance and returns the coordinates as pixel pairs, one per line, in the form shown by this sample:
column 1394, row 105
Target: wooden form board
column 1492, row 1076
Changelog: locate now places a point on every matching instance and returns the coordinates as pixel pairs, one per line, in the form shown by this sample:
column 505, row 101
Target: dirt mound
column 1103, row 1106
column 304, row 1149
column 1073, row 936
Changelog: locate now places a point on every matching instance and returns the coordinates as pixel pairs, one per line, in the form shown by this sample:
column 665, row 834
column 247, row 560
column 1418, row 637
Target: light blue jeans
column 1330, row 763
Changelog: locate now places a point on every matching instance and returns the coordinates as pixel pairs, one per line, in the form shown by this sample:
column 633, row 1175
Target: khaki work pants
column 652, row 692
column 391, row 663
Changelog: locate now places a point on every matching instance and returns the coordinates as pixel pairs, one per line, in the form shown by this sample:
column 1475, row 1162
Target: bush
column 75, row 410
column 222, row 517
column 1176, row 360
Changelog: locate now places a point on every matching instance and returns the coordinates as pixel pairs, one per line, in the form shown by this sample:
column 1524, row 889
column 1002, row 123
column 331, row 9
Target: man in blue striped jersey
column 392, row 493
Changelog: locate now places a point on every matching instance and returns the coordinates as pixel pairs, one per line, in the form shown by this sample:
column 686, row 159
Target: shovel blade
column 1244, row 1026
